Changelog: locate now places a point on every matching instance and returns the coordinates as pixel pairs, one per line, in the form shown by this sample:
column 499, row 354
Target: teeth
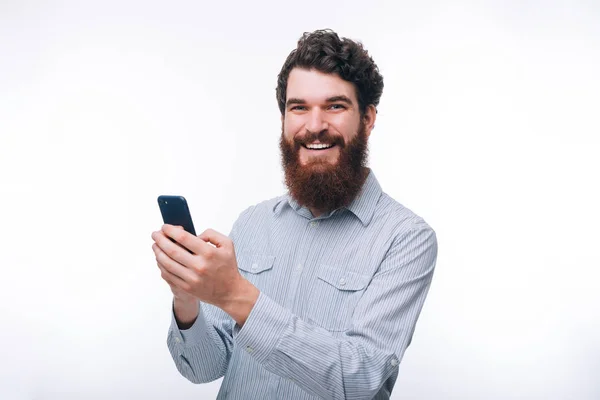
column 319, row 146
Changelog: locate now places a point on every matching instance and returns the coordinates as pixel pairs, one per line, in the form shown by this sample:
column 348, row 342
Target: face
column 321, row 114
column 324, row 140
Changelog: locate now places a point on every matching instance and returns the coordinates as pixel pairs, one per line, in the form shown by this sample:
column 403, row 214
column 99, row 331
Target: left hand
column 210, row 273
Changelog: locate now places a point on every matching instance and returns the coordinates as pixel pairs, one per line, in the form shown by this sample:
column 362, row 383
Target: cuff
column 263, row 328
column 191, row 336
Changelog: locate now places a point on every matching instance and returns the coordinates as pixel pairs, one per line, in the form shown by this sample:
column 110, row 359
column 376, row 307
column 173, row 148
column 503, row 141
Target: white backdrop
column 488, row 128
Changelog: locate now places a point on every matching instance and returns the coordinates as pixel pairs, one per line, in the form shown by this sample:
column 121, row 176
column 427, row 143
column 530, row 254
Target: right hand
column 179, row 294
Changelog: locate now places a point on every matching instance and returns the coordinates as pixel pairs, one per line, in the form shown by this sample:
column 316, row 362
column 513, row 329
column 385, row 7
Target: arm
column 200, row 336
column 357, row 364
column 185, row 312
column 202, row 352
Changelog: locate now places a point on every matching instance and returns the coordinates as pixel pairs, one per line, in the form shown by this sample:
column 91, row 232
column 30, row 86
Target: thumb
column 214, row 237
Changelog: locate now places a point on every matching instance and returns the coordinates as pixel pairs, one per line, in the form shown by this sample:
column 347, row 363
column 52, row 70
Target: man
column 315, row 294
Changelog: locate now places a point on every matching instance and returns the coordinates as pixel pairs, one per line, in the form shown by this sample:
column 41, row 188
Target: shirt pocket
column 334, row 295
column 255, row 267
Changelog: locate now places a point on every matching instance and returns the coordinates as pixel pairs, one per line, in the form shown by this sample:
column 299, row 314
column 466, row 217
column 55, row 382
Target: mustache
column 323, row 137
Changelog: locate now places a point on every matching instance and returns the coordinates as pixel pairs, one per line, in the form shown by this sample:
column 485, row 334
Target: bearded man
column 315, row 294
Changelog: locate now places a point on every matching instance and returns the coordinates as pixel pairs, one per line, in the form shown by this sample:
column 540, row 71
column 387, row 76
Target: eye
column 298, row 108
column 337, row 107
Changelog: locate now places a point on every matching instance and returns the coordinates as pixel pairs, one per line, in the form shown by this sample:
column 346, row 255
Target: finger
column 184, row 238
column 173, row 280
column 214, row 237
column 156, row 237
column 183, row 272
column 174, row 250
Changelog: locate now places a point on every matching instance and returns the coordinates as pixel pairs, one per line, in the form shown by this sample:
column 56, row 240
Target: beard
column 320, row 185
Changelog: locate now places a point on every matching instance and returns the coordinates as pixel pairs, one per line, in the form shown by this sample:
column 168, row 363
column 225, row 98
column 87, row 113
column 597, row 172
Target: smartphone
column 175, row 211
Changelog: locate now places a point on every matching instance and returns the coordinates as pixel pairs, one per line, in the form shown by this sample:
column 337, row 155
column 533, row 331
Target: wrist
column 185, row 301
column 241, row 301
column 186, row 312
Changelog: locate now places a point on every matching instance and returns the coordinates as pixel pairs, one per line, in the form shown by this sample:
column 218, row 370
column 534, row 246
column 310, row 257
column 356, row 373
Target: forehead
column 316, row 86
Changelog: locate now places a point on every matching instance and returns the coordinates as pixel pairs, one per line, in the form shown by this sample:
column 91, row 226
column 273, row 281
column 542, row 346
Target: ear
column 369, row 119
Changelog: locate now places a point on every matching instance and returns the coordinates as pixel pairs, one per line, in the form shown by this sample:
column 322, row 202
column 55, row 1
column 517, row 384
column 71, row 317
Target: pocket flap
column 255, row 263
column 342, row 279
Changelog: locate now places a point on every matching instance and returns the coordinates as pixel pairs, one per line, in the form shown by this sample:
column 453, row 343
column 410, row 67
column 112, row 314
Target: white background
column 487, row 128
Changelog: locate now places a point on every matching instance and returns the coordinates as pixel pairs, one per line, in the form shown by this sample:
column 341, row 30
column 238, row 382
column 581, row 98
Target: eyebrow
column 340, row 98
column 295, row 100
column 334, row 99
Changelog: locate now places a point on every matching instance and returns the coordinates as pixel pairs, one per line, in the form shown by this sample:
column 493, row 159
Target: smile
column 318, row 146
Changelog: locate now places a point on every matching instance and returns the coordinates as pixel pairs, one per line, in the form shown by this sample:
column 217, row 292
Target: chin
column 321, row 166
column 320, row 161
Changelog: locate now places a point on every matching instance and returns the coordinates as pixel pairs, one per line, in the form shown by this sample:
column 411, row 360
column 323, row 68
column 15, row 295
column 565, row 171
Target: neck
column 316, row 213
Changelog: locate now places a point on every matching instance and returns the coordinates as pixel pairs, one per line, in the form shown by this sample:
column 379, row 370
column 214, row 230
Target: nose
column 316, row 122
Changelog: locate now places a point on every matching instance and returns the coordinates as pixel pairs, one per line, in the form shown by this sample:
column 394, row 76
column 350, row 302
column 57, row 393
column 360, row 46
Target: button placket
column 295, row 279
column 298, row 270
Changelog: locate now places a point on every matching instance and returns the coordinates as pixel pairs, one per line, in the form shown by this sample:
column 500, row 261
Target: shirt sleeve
column 358, row 363
column 202, row 352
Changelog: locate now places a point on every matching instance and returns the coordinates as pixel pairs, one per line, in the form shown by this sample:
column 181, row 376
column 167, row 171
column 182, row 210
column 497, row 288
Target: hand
column 210, row 274
column 178, row 293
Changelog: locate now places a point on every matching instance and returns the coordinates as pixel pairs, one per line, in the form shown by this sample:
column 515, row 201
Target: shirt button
column 314, row 223
column 394, row 362
column 249, row 349
column 254, row 267
column 177, row 340
column 342, row 282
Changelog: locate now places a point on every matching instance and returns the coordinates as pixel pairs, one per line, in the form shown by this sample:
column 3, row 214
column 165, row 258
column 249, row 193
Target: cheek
column 345, row 128
column 291, row 126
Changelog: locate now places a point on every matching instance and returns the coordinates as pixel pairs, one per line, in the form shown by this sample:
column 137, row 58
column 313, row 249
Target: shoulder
column 399, row 218
column 259, row 210
column 413, row 241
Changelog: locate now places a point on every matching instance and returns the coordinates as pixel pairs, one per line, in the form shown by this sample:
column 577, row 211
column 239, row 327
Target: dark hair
column 324, row 51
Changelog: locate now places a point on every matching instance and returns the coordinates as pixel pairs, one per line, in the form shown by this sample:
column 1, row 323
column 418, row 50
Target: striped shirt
column 340, row 295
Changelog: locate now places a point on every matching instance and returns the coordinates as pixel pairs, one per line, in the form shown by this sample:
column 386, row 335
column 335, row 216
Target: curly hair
column 324, row 51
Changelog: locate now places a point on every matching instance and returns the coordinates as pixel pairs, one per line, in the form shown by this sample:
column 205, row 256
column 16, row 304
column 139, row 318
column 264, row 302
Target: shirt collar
column 363, row 205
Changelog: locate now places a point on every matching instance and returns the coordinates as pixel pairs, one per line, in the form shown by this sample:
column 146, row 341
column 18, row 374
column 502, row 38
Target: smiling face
column 324, row 140
column 321, row 115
